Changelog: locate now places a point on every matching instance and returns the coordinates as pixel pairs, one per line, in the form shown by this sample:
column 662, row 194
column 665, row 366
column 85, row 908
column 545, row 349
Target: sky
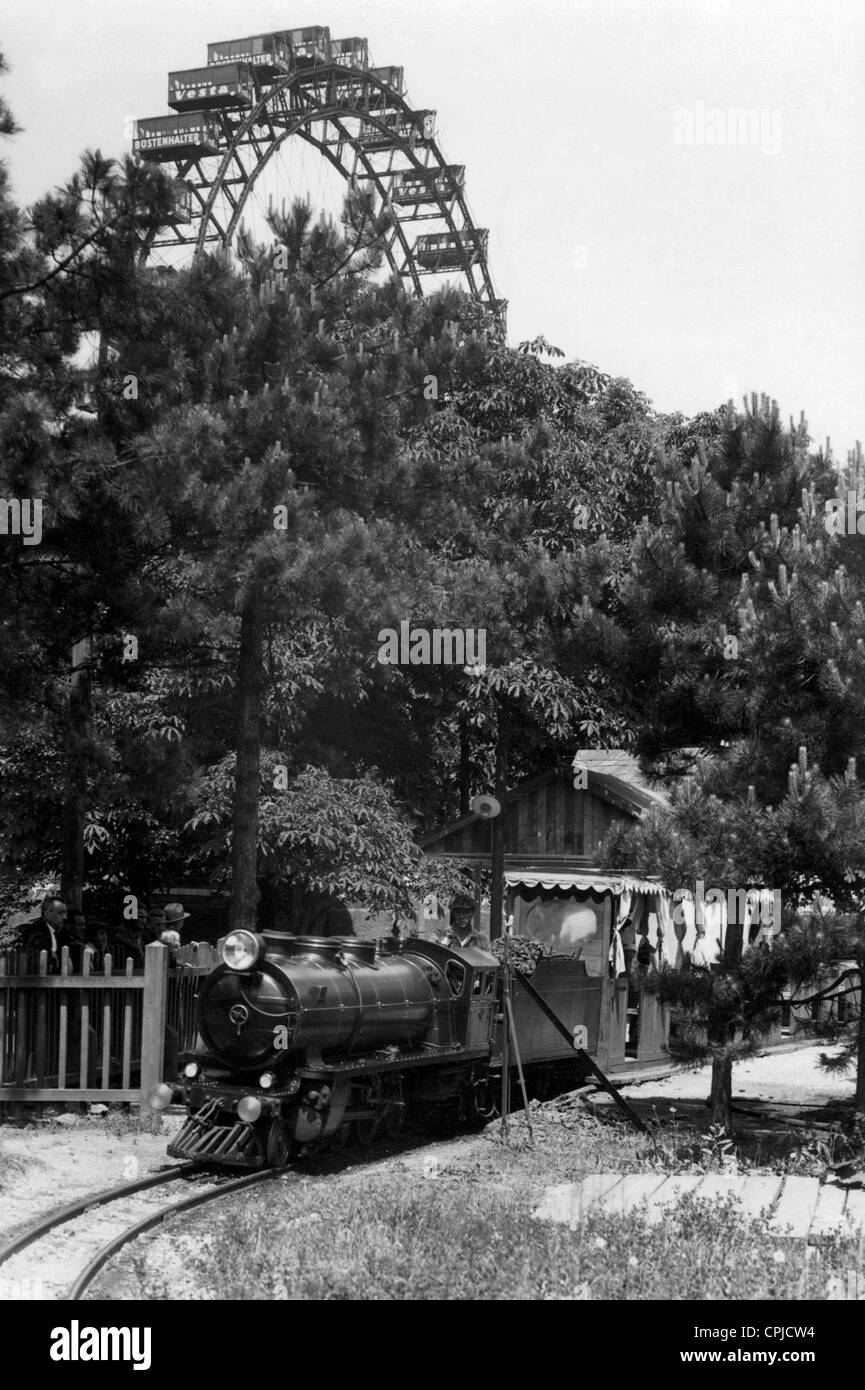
column 634, row 221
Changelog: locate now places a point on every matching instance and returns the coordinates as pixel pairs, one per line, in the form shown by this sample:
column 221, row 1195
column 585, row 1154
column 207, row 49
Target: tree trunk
column 244, row 843
column 268, row 901
column 78, row 744
column 465, row 770
column 298, row 909
column 721, row 1096
column 859, row 1099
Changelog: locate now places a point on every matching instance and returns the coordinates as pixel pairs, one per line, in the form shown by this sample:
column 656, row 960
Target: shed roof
column 619, row 771
column 613, row 776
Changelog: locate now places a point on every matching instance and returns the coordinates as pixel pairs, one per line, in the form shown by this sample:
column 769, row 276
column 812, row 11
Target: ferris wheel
column 244, row 127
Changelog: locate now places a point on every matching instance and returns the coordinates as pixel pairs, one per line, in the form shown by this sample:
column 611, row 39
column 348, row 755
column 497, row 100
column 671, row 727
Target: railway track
column 70, row 1245
column 60, row 1254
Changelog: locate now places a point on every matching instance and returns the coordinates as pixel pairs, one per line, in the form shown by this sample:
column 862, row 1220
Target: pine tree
column 277, row 470
column 747, row 628
column 65, row 272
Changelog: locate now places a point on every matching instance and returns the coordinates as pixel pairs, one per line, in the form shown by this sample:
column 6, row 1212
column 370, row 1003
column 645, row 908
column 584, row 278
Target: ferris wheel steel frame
column 329, row 95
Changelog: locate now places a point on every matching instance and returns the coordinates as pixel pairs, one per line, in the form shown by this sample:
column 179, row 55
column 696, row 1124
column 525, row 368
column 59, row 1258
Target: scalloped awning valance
column 582, row 882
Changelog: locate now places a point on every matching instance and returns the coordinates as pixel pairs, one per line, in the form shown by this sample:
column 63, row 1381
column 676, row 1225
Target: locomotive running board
column 588, row 1061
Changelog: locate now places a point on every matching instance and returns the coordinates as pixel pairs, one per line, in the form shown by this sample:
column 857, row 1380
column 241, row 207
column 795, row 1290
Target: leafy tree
column 537, row 561
column 318, row 834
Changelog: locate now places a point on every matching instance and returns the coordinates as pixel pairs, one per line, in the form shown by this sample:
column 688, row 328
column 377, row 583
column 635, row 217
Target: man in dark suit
column 47, row 932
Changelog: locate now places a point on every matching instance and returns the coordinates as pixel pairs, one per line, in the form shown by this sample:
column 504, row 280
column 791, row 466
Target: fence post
column 154, row 1016
column 2, row 1022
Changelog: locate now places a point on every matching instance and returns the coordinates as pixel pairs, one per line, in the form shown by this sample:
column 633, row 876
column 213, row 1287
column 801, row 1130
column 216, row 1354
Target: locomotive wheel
column 341, row 1139
column 366, row 1131
column 445, row 1117
column 484, row 1102
column 393, row 1121
column 543, row 1087
column 277, row 1148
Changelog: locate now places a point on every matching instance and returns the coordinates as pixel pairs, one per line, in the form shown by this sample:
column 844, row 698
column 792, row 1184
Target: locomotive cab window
column 456, row 976
column 433, row 974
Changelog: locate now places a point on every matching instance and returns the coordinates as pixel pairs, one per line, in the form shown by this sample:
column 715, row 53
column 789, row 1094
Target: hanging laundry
column 618, row 964
column 699, row 955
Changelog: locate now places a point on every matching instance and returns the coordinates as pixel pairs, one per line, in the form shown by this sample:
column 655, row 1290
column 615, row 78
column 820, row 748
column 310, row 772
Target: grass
column 443, row 1239
column 118, row 1121
column 12, row 1167
column 455, row 1222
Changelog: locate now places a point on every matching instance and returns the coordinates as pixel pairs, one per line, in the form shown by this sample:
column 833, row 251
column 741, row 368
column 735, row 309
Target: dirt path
column 49, row 1166
column 792, row 1078
column 77, row 1162
column 779, row 1089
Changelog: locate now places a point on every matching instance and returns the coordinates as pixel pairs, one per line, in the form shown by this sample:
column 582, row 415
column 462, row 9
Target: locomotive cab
column 468, row 999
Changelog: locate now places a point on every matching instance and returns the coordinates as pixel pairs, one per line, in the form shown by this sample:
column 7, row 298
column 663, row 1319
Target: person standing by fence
column 130, row 939
column 155, row 924
column 47, row 932
column 175, row 916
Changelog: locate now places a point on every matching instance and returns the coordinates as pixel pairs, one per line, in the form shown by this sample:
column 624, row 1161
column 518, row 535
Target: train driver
column 461, row 932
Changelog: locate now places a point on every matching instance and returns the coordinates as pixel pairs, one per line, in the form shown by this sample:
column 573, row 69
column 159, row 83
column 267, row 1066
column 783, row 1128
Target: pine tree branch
column 62, row 265
column 351, row 255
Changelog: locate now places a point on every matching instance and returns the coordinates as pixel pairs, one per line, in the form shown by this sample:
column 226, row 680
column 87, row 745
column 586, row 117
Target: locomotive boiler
column 302, row 1038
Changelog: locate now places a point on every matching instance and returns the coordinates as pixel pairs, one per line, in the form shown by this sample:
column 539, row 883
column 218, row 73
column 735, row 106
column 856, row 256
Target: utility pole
column 78, row 751
column 497, row 831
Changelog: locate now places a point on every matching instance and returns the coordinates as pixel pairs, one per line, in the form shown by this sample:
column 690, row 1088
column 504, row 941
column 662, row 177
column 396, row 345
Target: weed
column 416, row 1240
column 458, row 1224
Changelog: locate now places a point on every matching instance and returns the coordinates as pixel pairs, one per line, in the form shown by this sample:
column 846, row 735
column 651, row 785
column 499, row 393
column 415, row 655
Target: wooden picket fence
column 96, row 1035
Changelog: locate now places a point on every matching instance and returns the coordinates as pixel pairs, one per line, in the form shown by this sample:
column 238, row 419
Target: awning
column 581, row 882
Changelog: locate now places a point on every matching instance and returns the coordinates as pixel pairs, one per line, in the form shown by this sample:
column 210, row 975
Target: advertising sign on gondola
column 175, row 132
column 230, row 84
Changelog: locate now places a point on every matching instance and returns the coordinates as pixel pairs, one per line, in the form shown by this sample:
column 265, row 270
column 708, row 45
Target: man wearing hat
column 461, row 933
column 174, row 917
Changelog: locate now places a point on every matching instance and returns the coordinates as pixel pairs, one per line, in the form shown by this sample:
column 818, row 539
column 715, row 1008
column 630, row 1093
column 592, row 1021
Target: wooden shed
column 557, row 893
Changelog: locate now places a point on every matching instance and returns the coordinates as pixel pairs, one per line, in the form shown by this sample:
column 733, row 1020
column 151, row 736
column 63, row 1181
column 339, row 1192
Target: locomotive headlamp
column 266, row 1080
column 241, row 950
column 160, row 1096
column 249, row 1109
column 190, row 1071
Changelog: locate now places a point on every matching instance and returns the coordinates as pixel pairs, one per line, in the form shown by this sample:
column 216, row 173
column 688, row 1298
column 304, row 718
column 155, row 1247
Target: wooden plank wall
column 553, row 819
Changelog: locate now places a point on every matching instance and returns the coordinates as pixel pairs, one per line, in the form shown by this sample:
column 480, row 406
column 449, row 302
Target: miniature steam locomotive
column 305, row 1040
